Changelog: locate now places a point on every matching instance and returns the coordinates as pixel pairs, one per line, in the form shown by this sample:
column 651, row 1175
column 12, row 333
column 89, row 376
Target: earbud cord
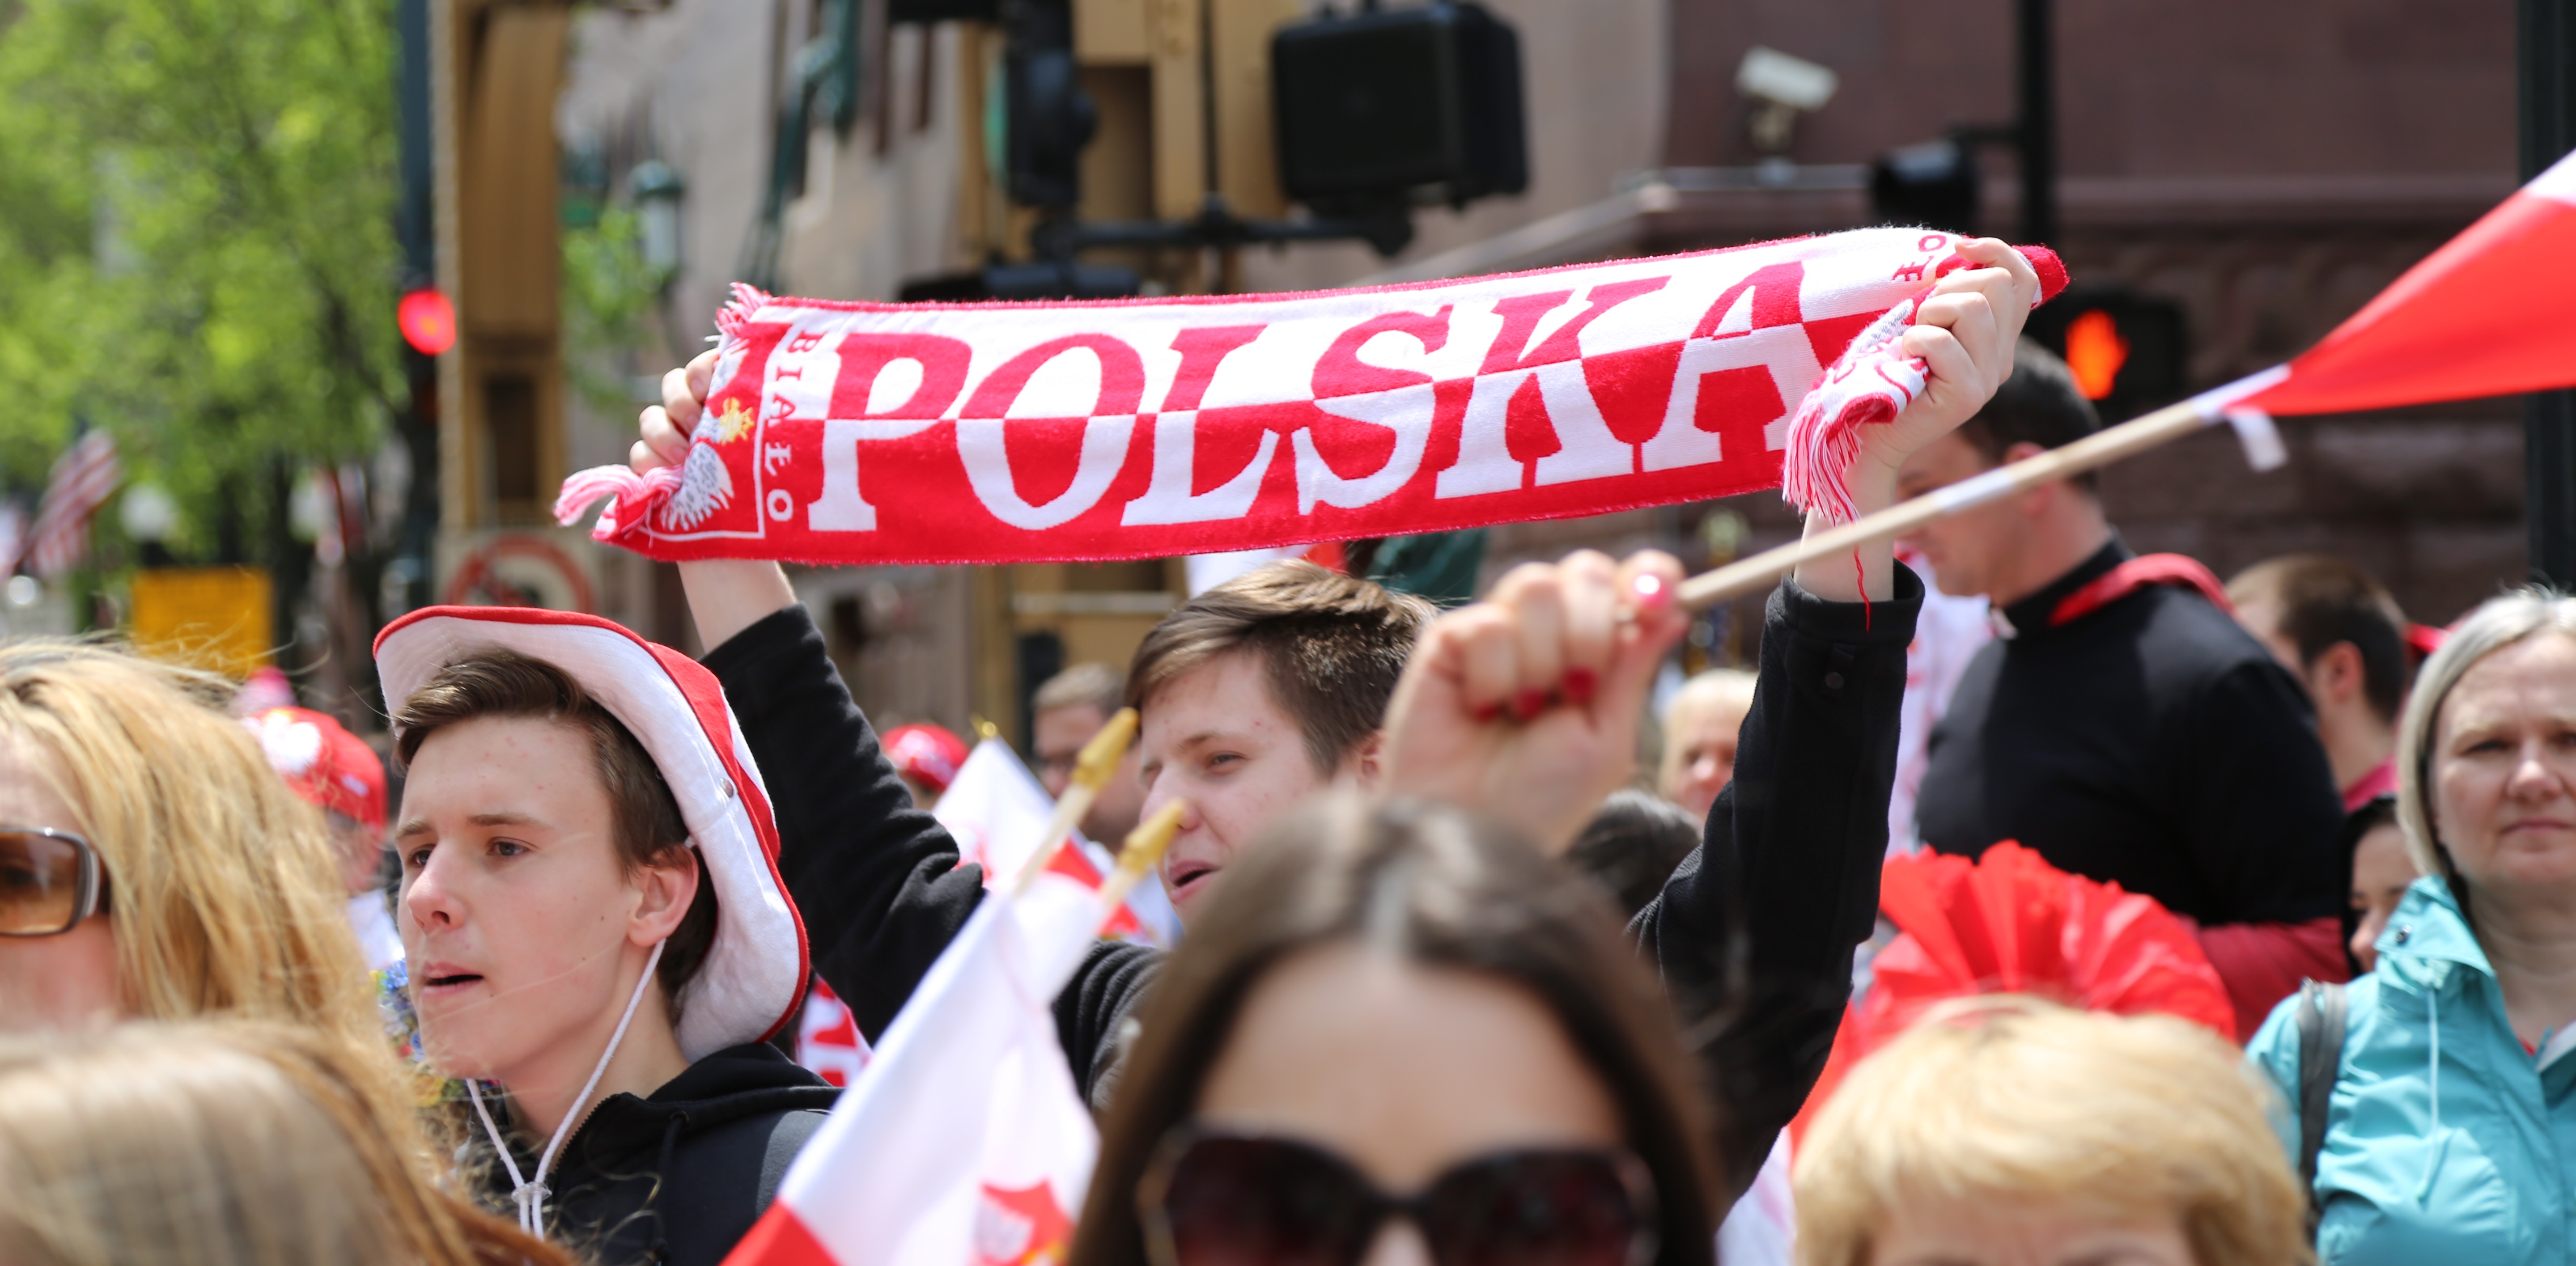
column 530, row 1194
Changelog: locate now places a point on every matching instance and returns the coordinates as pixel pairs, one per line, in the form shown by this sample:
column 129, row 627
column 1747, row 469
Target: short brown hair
column 644, row 818
column 1333, row 647
column 1088, row 684
column 2038, row 404
column 1996, row 1100
column 2324, row 601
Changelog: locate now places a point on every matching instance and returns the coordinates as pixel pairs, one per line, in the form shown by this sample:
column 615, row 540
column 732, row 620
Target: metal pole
column 2545, row 58
column 2038, row 127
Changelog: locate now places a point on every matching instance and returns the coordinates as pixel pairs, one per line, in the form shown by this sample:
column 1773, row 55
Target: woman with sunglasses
column 1401, row 1034
column 151, row 865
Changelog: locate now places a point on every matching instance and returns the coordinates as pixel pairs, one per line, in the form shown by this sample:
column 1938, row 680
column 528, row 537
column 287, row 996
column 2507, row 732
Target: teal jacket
column 2445, row 1141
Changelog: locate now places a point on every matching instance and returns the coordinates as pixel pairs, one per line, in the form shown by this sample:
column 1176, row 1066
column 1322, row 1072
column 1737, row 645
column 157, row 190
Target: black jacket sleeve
column 876, row 880
column 1754, row 932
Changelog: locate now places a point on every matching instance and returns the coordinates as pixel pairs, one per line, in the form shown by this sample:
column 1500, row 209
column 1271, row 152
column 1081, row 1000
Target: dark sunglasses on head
column 49, row 881
column 1213, row 1199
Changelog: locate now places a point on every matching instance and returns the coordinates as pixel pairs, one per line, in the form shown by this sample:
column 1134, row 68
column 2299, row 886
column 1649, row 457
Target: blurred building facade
column 2266, row 167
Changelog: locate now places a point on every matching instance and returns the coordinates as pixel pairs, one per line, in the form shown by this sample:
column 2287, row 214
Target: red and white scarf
column 1034, row 432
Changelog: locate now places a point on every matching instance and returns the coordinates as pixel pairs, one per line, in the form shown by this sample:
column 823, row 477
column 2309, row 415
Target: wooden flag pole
column 1137, row 857
column 1091, row 771
column 2099, row 449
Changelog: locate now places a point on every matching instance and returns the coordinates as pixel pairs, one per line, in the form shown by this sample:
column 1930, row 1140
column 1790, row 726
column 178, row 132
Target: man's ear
column 666, row 888
column 1361, row 764
column 2336, row 673
column 2035, row 501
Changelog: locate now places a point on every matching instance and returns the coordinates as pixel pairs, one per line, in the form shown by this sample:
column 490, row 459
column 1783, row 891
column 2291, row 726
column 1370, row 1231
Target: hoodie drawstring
column 530, row 1193
column 661, row 1250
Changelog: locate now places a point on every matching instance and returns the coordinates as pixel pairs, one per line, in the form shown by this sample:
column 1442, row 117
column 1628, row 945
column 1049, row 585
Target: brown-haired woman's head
column 219, row 1144
column 544, row 858
column 154, row 866
column 1401, row 999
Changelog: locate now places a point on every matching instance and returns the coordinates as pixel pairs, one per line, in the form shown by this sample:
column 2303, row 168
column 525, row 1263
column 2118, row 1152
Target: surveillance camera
column 1795, row 82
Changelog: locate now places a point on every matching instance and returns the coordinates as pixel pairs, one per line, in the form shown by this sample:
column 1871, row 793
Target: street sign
column 218, row 618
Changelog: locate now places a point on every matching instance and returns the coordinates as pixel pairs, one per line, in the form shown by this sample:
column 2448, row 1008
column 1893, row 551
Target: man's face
column 1216, row 739
column 514, row 909
column 1059, row 736
column 1703, row 737
column 1966, row 550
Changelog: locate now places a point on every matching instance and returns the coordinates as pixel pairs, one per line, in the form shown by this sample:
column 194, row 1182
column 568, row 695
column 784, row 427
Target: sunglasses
column 49, row 881
column 1214, row 1199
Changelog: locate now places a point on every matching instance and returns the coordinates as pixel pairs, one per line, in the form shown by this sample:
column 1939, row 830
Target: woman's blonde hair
column 223, row 888
column 2498, row 622
column 2002, row 1100
column 222, row 1143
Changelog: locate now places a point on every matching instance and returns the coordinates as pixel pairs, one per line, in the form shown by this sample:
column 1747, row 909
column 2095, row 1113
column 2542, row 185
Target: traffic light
column 1393, row 105
column 1933, row 184
column 2127, row 350
column 1048, row 117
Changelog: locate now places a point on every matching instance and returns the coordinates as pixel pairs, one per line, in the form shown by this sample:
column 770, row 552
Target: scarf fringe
column 630, row 496
column 1869, row 384
column 735, row 315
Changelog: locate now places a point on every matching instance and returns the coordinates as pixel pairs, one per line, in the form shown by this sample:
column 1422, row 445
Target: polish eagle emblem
column 706, row 486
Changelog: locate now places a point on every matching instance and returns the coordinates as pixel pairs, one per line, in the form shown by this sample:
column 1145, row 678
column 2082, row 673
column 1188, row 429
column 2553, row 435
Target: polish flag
column 965, row 1141
column 2485, row 315
column 996, row 810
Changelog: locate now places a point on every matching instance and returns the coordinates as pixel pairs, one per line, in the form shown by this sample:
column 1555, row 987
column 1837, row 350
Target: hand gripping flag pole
column 2262, row 446
column 1091, row 772
column 2487, row 314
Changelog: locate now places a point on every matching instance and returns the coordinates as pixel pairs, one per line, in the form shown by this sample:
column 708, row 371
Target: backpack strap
column 2321, row 1035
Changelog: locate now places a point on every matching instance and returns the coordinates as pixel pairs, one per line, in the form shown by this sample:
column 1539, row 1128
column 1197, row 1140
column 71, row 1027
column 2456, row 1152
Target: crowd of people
column 253, row 1007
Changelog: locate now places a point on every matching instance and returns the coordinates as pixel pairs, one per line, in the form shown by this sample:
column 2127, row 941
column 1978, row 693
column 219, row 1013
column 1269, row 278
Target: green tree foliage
column 610, row 298
column 196, row 246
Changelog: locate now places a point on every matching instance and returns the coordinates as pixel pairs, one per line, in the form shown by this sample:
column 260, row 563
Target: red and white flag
column 828, row 1040
column 996, row 811
column 1027, row 432
column 965, row 1141
column 82, row 480
column 2487, row 314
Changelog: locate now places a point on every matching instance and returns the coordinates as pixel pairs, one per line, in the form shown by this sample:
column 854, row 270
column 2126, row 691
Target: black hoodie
column 681, row 1176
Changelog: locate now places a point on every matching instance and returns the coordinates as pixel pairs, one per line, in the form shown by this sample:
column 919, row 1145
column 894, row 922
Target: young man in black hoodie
column 597, row 936
column 1512, row 706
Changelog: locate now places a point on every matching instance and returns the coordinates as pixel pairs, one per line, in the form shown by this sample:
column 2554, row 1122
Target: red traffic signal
column 2127, row 351
column 428, row 321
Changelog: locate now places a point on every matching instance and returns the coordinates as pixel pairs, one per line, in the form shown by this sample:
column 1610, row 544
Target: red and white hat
column 926, row 752
column 324, row 763
column 754, row 974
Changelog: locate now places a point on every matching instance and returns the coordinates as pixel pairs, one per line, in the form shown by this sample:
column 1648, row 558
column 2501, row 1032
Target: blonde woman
column 218, row 1144
column 2436, row 1101
column 151, row 865
column 2007, row 1131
